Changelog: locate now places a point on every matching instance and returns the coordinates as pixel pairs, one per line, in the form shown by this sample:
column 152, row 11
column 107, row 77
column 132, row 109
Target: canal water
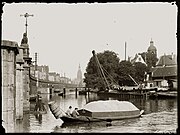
column 160, row 116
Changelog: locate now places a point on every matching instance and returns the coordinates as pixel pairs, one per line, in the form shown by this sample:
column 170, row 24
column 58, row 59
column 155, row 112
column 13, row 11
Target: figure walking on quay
column 39, row 104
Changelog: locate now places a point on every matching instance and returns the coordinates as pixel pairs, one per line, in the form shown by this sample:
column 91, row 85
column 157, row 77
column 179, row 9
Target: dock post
column 64, row 91
column 146, row 95
column 87, row 90
column 50, row 91
column 76, row 92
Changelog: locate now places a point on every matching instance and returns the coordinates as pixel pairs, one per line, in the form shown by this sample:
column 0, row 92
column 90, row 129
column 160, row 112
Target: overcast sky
column 64, row 35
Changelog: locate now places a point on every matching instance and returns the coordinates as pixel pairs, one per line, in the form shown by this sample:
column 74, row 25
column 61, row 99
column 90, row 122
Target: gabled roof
column 138, row 58
column 166, row 60
column 164, row 71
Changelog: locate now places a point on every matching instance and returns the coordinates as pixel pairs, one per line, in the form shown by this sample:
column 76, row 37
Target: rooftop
column 164, row 71
column 167, row 60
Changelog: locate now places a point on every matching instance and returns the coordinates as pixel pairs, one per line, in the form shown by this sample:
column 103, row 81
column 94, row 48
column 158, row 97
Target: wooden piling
column 76, row 92
column 64, row 91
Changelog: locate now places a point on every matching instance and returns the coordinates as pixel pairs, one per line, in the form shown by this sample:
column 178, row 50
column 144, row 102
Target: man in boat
column 69, row 112
column 75, row 113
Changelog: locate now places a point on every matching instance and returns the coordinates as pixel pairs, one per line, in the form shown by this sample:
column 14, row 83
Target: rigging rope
column 101, row 69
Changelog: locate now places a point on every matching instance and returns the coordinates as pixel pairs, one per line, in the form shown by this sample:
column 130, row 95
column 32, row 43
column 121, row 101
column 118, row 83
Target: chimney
column 164, row 63
column 172, row 56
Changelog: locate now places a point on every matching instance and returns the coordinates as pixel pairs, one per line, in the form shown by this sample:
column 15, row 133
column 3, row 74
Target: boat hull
column 68, row 119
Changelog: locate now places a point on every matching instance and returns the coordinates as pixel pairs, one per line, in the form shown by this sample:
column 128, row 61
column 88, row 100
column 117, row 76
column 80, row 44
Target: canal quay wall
column 18, row 85
column 15, row 62
column 9, row 51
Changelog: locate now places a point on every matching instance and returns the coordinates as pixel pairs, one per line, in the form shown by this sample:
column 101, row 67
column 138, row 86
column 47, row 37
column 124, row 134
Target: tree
column 125, row 69
column 140, row 70
column 109, row 62
column 151, row 59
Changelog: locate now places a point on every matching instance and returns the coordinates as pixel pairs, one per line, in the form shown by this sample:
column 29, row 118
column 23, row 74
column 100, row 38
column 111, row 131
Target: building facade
column 165, row 72
column 52, row 76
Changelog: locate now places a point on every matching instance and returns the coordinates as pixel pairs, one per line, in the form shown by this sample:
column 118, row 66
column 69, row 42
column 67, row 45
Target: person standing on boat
column 75, row 113
column 69, row 112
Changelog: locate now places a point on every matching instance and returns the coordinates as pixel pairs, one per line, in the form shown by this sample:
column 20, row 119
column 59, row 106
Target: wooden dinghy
column 100, row 111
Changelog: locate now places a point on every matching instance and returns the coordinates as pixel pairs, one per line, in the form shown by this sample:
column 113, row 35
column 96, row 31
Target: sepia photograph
column 89, row 67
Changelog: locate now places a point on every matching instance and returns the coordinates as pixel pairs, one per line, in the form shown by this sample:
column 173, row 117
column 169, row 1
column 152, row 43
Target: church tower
column 151, row 55
column 79, row 75
column 152, row 49
column 24, row 47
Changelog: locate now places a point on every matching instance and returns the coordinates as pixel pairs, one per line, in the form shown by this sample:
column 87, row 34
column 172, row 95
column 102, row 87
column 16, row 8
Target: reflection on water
column 159, row 116
column 95, row 126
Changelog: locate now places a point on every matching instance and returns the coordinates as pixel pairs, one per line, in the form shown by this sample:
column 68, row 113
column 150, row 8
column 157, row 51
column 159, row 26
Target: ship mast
column 125, row 51
column 101, row 69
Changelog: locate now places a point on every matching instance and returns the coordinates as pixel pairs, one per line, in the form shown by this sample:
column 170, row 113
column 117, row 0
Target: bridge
column 48, row 84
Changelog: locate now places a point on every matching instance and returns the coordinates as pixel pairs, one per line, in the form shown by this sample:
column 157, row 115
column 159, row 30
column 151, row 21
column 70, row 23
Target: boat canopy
column 110, row 106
